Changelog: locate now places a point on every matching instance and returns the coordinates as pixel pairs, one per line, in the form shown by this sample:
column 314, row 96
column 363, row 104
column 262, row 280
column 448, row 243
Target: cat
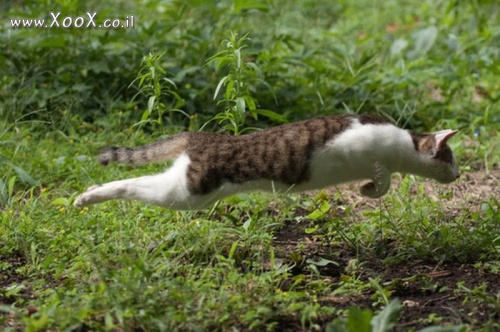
column 305, row 155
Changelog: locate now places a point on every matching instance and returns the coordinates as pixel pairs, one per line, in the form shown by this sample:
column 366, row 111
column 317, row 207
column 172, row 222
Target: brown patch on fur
column 370, row 119
column 424, row 143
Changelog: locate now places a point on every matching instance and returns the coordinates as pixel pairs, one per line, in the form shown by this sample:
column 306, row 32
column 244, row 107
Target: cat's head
column 437, row 156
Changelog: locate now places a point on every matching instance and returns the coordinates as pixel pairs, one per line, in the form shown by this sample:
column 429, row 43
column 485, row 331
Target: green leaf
column 145, row 115
column 230, row 91
column 237, row 53
column 14, row 289
column 219, row 86
column 253, row 66
column 385, row 320
column 152, row 71
column 246, row 224
column 241, row 5
column 151, row 104
column 108, row 320
column 240, row 105
column 12, row 181
column 169, row 81
column 359, row 320
column 311, row 230
column 425, row 39
column 3, row 192
column 251, row 104
column 398, row 46
column 142, row 79
column 23, row 175
column 232, row 250
column 60, row 201
column 99, row 67
column 319, row 212
column 271, row 115
column 321, row 262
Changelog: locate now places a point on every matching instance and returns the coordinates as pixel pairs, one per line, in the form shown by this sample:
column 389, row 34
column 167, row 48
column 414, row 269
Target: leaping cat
column 305, row 155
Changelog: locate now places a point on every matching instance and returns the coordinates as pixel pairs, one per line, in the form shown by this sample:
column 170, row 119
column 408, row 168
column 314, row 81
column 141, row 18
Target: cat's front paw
column 372, row 191
column 85, row 198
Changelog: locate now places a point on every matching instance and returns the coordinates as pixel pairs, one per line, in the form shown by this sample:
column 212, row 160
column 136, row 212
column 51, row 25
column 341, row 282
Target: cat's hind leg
column 168, row 189
column 154, row 189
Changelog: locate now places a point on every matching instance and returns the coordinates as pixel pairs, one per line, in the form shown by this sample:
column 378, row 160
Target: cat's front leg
column 380, row 184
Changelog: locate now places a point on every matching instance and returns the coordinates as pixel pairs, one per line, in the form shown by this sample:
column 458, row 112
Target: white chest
column 351, row 155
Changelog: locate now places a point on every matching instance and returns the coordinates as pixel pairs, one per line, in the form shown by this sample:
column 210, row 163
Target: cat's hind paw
column 86, row 198
column 80, row 201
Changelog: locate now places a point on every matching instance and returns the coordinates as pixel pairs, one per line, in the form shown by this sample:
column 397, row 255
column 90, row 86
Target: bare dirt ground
column 427, row 290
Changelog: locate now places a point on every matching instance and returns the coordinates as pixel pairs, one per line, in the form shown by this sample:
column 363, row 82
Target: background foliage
column 413, row 62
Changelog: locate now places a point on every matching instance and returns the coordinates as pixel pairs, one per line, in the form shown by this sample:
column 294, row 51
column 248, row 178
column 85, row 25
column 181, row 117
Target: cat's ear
column 441, row 137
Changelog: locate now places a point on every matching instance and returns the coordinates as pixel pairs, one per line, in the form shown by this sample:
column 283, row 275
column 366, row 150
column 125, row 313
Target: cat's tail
column 167, row 149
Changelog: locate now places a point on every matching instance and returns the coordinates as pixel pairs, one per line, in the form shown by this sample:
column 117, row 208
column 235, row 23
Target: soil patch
column 431, row 293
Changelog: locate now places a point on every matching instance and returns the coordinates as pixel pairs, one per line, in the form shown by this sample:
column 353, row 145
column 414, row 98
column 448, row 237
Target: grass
column 425, row 255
